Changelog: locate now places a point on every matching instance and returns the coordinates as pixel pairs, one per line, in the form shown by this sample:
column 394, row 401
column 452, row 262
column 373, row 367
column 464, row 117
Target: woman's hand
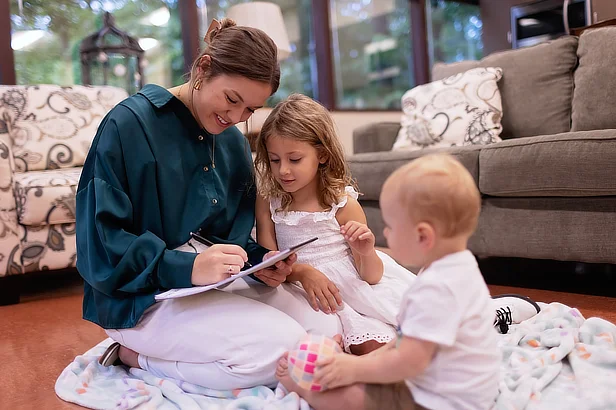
column 320, row 291
column 216, row 263
column 359, row 236
column 274, row 277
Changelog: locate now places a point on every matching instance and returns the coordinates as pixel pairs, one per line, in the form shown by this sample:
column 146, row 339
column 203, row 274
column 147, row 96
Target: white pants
column 224, row 339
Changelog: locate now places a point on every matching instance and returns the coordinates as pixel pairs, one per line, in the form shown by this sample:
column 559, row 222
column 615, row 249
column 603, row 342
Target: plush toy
column 302, row 360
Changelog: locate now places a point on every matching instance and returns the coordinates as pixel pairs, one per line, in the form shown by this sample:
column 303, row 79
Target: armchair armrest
column 10, row 249
column 379, row 136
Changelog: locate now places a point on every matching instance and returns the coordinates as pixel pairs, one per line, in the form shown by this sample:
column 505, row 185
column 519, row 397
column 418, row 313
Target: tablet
column 178, row 293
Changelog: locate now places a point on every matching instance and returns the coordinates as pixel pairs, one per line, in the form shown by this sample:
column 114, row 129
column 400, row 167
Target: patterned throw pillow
column 464, row 109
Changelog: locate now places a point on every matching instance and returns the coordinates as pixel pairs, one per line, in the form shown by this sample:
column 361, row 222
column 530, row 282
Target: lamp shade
column 264, row 16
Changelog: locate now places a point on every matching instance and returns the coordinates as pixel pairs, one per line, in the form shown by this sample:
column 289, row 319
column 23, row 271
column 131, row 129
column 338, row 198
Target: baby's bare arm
column 391, row 364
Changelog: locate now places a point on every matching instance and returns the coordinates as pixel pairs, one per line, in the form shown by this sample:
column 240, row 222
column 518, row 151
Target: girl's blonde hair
column 303, row 119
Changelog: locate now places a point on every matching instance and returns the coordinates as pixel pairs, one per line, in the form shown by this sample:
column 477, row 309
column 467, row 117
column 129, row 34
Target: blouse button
column 206, row 169
column 200, row 137
column 214, row 201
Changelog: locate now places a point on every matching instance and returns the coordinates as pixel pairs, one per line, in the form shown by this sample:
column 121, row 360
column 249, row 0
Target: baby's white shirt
column 449, row 304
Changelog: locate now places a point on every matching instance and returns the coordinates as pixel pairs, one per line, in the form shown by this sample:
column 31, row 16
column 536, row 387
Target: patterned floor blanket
column 556, row 360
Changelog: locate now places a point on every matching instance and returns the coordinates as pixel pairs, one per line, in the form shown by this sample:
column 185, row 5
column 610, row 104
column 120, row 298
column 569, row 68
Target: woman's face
column 225, row 100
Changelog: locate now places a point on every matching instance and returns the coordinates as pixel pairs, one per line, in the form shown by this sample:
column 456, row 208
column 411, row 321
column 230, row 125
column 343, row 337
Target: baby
column 446, row 355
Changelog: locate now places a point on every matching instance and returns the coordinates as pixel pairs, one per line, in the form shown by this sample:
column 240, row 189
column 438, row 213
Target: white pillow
column 464, row 109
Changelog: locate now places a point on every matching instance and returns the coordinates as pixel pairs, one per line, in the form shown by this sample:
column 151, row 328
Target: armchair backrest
column 49, row 126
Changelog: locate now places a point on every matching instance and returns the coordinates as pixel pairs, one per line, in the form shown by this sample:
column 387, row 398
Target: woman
column 168, row 162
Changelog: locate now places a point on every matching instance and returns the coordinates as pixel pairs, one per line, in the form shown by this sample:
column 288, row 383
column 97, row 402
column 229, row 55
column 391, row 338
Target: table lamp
column 264, row 16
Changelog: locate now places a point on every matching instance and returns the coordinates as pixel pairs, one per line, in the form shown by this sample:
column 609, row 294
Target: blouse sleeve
column 244, row 220
column 110, row 256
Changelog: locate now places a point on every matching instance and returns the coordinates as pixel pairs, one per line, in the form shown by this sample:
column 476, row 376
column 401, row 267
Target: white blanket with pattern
column 556, row 360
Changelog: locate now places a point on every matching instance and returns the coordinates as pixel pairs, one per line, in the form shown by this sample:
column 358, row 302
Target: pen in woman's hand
column 207, row 242
column 201, row 239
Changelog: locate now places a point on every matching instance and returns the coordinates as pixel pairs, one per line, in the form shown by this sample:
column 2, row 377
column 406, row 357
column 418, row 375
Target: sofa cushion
column 464, row 109
column 375, row 137
column 536, row 88
column 370, row 170
column 594, row 98
column 51, row 126
column 46, row 197
column 574, row 229
column 573, row 164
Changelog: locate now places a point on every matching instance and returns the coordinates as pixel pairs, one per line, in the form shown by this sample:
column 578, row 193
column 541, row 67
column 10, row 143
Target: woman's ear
column 204, row 65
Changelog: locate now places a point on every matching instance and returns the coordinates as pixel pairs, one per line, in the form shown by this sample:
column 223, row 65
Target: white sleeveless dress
column 369, row 311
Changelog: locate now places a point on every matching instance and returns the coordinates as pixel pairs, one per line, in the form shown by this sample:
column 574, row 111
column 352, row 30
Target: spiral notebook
column 179, row 293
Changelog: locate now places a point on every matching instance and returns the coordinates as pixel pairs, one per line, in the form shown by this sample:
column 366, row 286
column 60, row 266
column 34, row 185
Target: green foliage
column 55, row 58
column 456, row 31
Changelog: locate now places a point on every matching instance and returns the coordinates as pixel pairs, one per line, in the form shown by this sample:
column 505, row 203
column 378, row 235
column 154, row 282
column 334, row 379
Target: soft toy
column 302, row 360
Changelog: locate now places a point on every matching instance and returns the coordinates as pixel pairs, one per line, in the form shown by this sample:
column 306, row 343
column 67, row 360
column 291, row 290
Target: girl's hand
column 359, row 236
column 320, row 291
column 216, row 263
column 337, row 371
column 278, row 273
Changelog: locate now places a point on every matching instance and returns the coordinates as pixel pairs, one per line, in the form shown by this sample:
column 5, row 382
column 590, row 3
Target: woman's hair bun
column 223, row 24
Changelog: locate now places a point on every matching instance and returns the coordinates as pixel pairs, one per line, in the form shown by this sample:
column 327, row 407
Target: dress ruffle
column 295, row 218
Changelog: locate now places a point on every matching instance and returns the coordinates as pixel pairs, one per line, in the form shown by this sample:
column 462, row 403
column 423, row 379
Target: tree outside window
column 455, row 31
column 371, row 53
column 46, row 36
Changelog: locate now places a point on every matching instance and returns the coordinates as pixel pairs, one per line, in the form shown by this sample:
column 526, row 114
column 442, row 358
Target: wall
column 496, row 18
column 345, row 121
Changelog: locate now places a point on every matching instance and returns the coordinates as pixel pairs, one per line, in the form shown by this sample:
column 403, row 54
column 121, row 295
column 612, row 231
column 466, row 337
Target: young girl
column 307, row 191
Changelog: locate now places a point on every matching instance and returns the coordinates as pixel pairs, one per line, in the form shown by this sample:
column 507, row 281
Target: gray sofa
column 549, row 189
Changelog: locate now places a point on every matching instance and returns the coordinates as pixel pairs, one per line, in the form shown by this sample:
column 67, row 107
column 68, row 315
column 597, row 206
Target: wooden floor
column 42, row 334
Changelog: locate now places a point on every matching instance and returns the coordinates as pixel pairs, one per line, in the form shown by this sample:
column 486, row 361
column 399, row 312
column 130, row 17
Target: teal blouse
column 148, row 181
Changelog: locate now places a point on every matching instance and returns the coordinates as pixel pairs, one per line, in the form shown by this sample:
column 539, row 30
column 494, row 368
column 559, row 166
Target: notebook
column 179, row 293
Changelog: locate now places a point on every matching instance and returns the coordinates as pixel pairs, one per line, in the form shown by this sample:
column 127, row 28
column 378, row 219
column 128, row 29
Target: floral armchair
column 45, row 134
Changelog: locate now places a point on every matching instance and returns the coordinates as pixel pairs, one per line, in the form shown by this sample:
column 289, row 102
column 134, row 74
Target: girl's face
column 224, row 101
column 294, row 164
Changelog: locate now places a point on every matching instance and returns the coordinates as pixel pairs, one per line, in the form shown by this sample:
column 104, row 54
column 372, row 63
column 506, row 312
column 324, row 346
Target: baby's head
column 430, row 207
column 298, row 148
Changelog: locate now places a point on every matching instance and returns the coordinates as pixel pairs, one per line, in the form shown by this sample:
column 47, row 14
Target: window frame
column 325, row 91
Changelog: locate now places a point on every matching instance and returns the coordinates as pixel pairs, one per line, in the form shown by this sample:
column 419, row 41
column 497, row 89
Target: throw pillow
column 464, row 109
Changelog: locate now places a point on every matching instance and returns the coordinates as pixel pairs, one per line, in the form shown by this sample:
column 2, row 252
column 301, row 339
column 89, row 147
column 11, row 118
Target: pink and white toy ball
column 310, row 349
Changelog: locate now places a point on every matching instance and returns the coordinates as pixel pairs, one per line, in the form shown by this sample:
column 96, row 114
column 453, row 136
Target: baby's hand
column 359, row 236
column 337, row 371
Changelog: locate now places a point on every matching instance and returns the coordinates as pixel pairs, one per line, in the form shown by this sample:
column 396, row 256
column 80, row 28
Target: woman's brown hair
column 241, row 51
column 303, row 119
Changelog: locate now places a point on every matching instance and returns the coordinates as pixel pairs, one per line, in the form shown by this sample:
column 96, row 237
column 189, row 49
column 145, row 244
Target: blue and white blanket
column 556, row 360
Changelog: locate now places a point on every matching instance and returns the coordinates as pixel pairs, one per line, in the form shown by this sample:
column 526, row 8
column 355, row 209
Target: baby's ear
column 426, row 235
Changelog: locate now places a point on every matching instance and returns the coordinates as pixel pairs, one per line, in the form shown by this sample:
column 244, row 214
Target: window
column 454, row 31
column 46, row 37
column 297, row 71
column 374, row 57
column 371, row 53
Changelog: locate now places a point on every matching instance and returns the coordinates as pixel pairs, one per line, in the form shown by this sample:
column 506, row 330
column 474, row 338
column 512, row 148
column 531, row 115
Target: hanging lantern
column 112, row 57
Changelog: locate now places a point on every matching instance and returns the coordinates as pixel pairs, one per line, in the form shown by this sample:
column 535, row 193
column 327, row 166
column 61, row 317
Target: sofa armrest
column 10, row 230
column 375, row 137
